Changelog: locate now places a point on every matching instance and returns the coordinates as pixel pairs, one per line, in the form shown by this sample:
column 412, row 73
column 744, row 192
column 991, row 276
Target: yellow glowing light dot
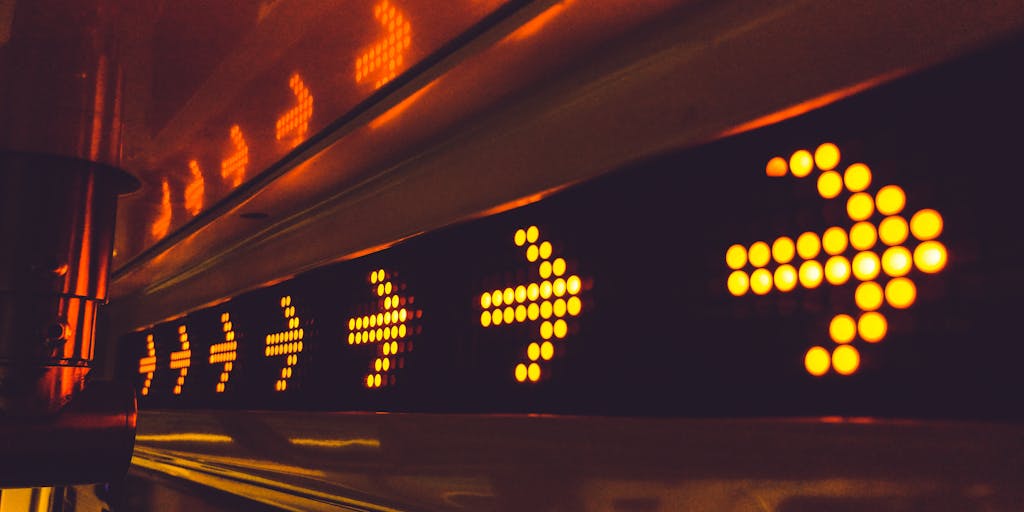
column 496, row 297
column 521, row 372
column 860, row 206
column 896, row 261
column 376, row 380
column 545, row 250
column 496, row 316
column 520, row 313
column 380, row 277
column 520, row 293
column 863, row 236
column 373, row 277
column 817, row 361
column 900, row 293
column 785, row 278
column 533, row 351
column 830, row 184
column 387, row 349
column 776, row 167
column 866, row 266
column 545, row 309
column 872, row 327
column 893, row 230
column 826, row 156
column 509, row 296
column 369, row 381
column 573, row 306
column 559, row 308
column 834, row 240
column 736, row 257
column 846, row 360
column 573, row 285
column 837, row 270
column 558, row 287
column 510, row 315
column 532, row 253
column 533, row 311
column 558, row 267
column 868, row 296
column 533, row 291
column 387, row 364
column 811, row 274
column 547, row 351
column 561, row 328
column 545, row 289
column 533, row 372
column 761, row 281
column 842, row 329
column 401, row 331
column 808, row 245
column 546, row 330
column 403, row 314
column 857, row 177
column 801, row 163
column 890, row 200
column 520, row 237
column 926, row 224
column 532, row 234
column 545, row 269
column 387, row 287
column 759, row 254
column 783, row 249
column 930, row 257
column 380, row 290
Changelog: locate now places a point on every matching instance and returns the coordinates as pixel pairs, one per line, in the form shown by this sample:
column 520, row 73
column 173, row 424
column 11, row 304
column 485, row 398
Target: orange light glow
column 761, row 281
column 400, row 107
column 893, row 230
column 872, row 327
column 225, row 352
column 826, row 157
column 295, row 122
column 288, row 343
column 783, row 249
column 837, row 270
column 896, row 261
column 900, row 293
column 860, row 206
column 842, row 329
column 162, row 223
column 868, row 296
column 760, row 254
column 801, row 163
column 926, row 224
column 785, row 278
column 857, row 177
column 776, row 167
column 195, row 189
column 863, row 236
column 830, row 184
column 808, row 245
column 181, row 359
column 890, row 200
column 811, row 274
column 930, row 257
column 817, row 361
column 385, row 59
column 845, row 360
column 538, row 22
column 834, row 240
column 147, row 365
column 866, row 266
column 232, row 169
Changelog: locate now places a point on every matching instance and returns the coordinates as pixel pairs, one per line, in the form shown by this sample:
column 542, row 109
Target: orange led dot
column 573, row 306
column 830, row 184
column 380, row 275
column 561, row 328
column 545, row 269
column 532, row 234
column 369, row 381
column 520, row 313
column 808, row 245
column 533, row 372
column 401, row 331
column 533, row 311
column 817, row 361
column 533, row 351
column 785, row 278
column 776, row 167
column 857, row 177
column 783, row 249
column 558, row 267
column 386, row 348
column 352, row 321
column 545, row 289
column 896, row 261
column 521, row 372
column 826, row 157
column 520, row 294
column 761, row 281
column 834, row 240
column 846, row 360
column 860, row 206
column 520, row 237
column 546, row 330
column 872, row 327
column 558, row 287
column 900, row 293
column 926, row 224
column 496, row 317
column 376, row 381
column 890, row 200
column 545, row 250
column 533, row 291
column 868, row 296
column 532, row 252
column 573, row 285
column 801, row 163
column 866, row 266
column 837, row 270
column 842, row 329
column 736, row 257
column 547, row 351
column 510, row 315
column 558, row 307
column 545, row 309
column 893, row 230
column 930, row 257
column 496, row 297
column 509, row 296
column 759, row 254
column 811, row 274
column 863, row 236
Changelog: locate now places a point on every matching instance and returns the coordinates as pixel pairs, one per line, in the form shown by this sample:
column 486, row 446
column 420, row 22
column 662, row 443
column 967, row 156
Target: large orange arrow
column 286, row 343
column 384, row 59
column 881, row 255
column 295, row 122
column 225, row 352
column 549, row 302
column 232, row 169
column 389, row 325
column 181, row 359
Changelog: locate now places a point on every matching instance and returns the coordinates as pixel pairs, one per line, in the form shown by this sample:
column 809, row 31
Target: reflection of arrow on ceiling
column 232, row 169
column 386, row 58
column 549, row 302
column 295, row 122
column 883, row 270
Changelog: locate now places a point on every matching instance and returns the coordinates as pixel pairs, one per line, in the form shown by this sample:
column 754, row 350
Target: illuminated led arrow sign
column 382, row 61
column 389, row 324
column 880, row 256
column 548, row 302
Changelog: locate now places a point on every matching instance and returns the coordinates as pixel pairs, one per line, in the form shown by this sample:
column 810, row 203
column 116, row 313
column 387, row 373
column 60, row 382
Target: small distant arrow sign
column 295, row 122
column 383, row 61
column 287, row 343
